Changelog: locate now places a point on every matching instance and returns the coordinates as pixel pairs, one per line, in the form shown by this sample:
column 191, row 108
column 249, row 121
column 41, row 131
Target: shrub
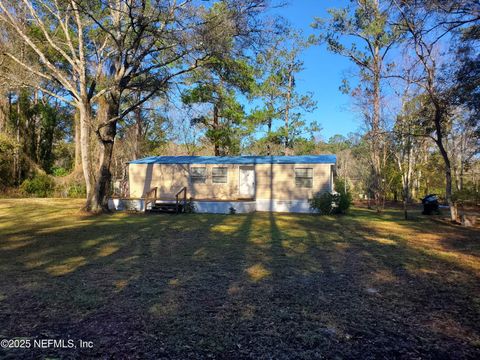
column 344, row 202
column 339, row 184
column 466, row 196
column 59, row 171
column 232, row 210
column 190, row 207
column 77, row 191
column 7, row 149
column 331, row 203
column 322, row 203
column 39, row 186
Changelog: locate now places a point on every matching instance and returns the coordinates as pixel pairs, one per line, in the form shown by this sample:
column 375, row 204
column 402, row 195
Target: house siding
column 171, row 178
column 272, row 181
column 277, row 181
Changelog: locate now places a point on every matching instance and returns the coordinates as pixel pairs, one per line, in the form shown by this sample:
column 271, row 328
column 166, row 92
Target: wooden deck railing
column 151, row 196
column 177, row 201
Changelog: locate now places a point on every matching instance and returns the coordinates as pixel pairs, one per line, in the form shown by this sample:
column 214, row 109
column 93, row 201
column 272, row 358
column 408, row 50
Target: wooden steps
column 166, row 207
column 172, row 206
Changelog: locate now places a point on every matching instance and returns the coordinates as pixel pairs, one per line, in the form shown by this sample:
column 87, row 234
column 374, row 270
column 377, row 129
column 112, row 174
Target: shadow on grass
column 243, row 286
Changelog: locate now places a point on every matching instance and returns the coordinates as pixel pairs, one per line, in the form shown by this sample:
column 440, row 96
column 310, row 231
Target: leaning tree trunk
column 108, row 109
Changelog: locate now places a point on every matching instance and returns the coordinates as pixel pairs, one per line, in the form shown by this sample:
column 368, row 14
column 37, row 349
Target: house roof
column 245, row 160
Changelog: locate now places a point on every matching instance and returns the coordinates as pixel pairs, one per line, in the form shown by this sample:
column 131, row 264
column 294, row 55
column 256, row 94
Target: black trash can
column 430, row 204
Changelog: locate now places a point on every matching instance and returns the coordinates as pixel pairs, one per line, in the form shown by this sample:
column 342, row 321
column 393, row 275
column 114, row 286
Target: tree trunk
column 215, row 127
column 42, row 127
column 34, row 128
column 78, row 147
column 85, row 122
column 3, row 112
column 108, row 109
column 138, row 132
column 406, row 178
column 16, row 162
column 376, row 156
column 462, row 162
column 269, row 128
column 439, row 114
column 269, row 132
column 104, row 175
column 287, row 110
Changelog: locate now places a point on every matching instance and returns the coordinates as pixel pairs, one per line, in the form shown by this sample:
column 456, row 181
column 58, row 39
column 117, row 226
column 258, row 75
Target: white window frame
column 303, row 177
column 220, row 176
column 194, row 179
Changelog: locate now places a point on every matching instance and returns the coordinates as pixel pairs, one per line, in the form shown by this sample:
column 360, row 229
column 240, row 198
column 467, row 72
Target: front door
column 247, row 181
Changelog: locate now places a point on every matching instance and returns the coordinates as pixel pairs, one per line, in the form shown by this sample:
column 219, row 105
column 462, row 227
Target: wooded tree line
column 89, row 85
column 418, row 78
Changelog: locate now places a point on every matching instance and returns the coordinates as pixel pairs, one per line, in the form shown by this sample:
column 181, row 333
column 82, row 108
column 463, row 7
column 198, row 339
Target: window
column 198, row 174
column 304, row 177
column 219, row 175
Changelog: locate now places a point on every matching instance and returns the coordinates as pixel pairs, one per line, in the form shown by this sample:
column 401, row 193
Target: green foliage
column 322, row 203
column 466, row 72
column 367, row 21
column 76, row 190
column 339, row 184
column 217, row 84
column 59, row 171
column 39, row 186
column 303, row 146
column 50, row 118
column 7, row 148
column 64, row 154
column 283, row 107
column 338, row 143
column 332, row 203
column 343, row 201
column 466, row 196
column 38, row 124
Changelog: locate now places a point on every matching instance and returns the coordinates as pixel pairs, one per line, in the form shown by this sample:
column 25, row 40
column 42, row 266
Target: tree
column 278, row 67
column 424, row 38
column 406, row 143
column 368, row 36
column 466, row 71
column 342, row 147
column 463, row 142
column 217, row 84
column 101, row 54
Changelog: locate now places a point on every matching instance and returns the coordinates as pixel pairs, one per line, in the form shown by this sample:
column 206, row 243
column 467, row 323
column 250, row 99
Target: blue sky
column 323, row 70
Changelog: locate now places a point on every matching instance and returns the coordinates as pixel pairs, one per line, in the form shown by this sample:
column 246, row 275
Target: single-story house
column 245, row 183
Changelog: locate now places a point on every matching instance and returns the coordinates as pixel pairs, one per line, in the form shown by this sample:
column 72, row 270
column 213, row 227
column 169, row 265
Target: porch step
column 165, row 207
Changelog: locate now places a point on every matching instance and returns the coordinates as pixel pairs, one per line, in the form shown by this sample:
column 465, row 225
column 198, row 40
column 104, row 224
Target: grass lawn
column 237, row 286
